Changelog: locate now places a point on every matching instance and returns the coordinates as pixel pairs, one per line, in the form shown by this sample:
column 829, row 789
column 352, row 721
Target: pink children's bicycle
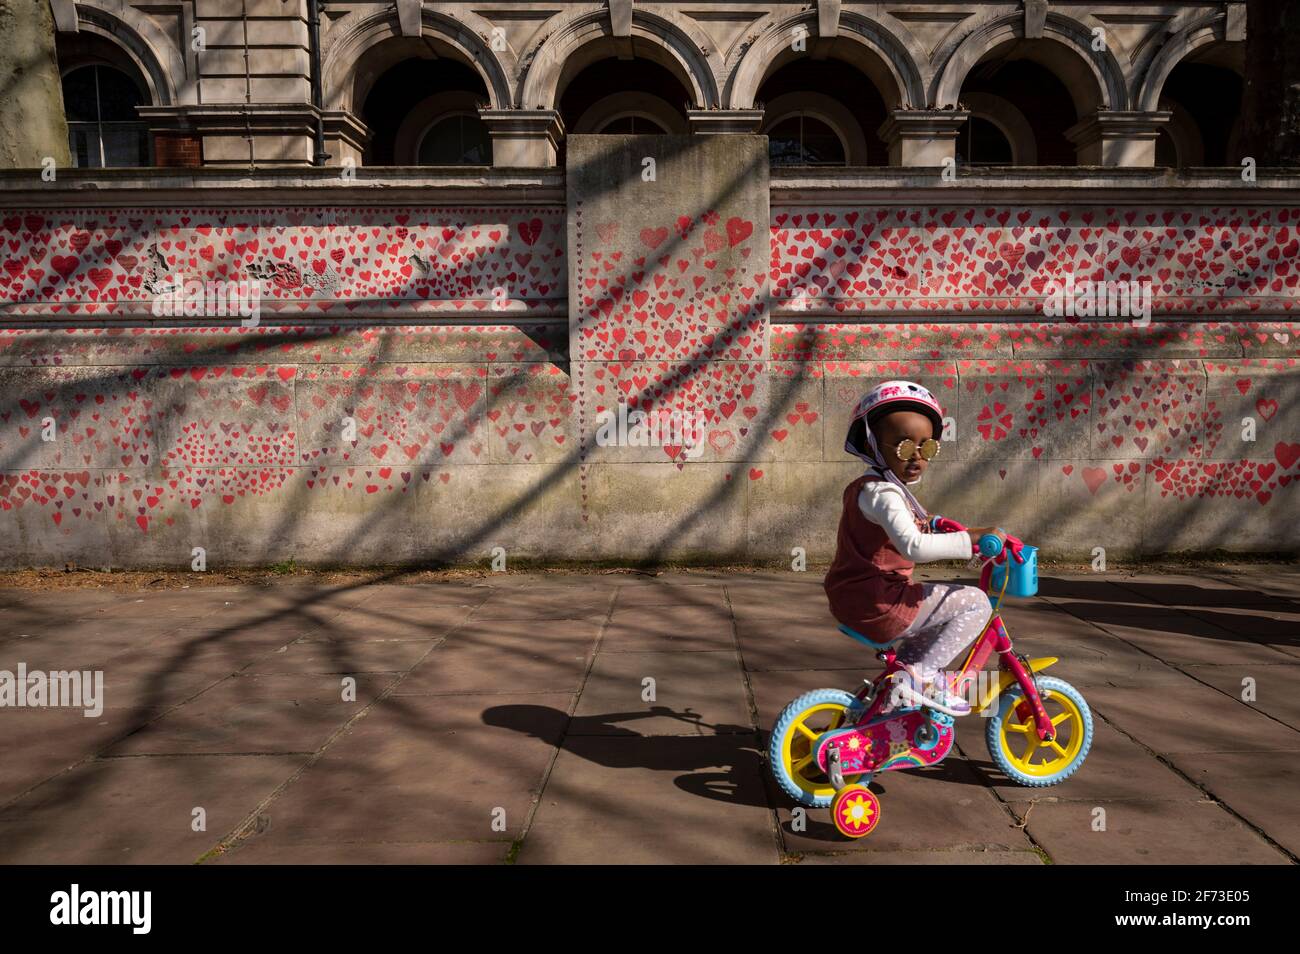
column 828, row 744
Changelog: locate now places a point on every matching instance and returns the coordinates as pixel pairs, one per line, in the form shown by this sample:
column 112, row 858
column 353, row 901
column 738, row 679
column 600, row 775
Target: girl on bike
column 884, row 532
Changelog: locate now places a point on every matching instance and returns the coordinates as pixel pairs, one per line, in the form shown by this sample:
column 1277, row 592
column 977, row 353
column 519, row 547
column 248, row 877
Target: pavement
column 509, row 719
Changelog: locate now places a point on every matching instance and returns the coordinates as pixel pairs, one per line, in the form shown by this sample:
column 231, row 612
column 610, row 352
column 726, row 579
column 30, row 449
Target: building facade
column 390, row 282
column 220, row 83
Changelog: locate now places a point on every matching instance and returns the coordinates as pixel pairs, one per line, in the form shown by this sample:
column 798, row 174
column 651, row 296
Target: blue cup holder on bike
column 1024, row 576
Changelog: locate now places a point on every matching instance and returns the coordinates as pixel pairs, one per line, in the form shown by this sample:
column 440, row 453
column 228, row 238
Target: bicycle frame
column 993, row 638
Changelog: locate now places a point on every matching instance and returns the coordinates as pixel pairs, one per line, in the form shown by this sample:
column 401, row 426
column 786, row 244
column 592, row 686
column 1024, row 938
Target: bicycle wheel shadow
column 726, row 764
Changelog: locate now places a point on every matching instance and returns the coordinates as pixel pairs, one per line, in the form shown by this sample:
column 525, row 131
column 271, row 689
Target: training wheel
column 855, row 811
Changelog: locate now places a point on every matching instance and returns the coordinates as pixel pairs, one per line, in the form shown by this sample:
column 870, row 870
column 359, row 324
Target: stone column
column 922, row 137
column 669, row 248
column 32, row 123
column 1119, row 138
column 524, row 138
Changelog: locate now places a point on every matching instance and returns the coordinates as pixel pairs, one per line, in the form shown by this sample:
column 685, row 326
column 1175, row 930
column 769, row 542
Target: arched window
column 458, row 139
column 982, row 143
column 818, row 112
column 633, row 125
column 803, row 140
column 421, row 112
column 1044, row 83
column 1167, row 151
column 1205, row 98
column 628, row 97
column 104, row 129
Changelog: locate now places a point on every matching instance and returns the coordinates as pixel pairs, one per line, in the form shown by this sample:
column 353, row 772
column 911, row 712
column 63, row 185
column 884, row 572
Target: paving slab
column 39, row 744
column 1259, row 787
column 257, row 713
column 1273, row 580
column 1099, row 659
column 1173, row 590
column 394, row 620
column 775, row 643
column 138, row 811
column 649, row 628
column 671, row 595
column 1160, row 832
column 696, row 693
column 389, row 656
column 506, row 655
column 423, row 769
column 1273, row 690
column 1185, row 640
column 556, row 667
column 1092, row 587
column 974, row 856
column 1116, row 769
column 1088, row 653
column 1261, row 624
column 79, row 644
column 1192, row 718
column 546, row 603
column 256, row 850
column 156, row 683
column 659, row 800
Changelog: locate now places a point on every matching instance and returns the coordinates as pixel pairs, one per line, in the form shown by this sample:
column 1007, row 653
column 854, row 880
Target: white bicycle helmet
column 884, row 399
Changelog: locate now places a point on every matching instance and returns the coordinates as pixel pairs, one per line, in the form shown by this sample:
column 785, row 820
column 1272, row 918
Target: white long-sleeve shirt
column 884, row 504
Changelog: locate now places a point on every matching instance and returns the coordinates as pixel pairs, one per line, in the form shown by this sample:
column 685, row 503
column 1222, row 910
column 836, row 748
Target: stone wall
column 472, row 348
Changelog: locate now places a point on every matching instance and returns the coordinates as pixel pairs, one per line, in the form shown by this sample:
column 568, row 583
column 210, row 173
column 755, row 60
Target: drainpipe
column 317, row 100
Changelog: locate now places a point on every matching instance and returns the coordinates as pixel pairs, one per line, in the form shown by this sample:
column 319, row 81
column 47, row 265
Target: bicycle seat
column 854, row 634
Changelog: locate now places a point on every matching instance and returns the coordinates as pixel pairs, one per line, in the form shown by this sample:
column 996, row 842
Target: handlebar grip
column 990, row 546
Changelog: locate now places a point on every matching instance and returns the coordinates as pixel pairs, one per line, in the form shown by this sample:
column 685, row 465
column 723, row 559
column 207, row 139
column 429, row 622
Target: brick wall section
column 177, row 151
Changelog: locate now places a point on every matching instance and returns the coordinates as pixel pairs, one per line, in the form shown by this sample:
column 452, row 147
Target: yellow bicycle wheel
column 1012, row 735
column 790, row 751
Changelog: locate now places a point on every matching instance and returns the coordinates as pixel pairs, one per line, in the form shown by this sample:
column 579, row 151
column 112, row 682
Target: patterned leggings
column 950, row 618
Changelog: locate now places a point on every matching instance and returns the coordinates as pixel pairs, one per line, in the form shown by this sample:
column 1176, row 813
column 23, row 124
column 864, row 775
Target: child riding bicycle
column 884, row 532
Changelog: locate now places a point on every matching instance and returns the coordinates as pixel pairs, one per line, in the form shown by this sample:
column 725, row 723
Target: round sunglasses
column 908, row 448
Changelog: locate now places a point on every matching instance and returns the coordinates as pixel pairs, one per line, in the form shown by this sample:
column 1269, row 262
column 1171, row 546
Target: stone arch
column 1094, row 79
column 643, row 105
column 1176, row 50
column 464, row 32
column 830, row 111
column 668, row 38
column 1185, row 135
column 1010, row 121
column 156, row 58
column 892, row 59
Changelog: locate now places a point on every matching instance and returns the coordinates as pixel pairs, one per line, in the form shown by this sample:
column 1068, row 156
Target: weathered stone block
column 1024, row 410
column 660, row 511
column 403, row 415
column 1265, row 391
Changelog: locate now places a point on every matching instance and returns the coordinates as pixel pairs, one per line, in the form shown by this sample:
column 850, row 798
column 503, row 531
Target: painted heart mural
column 100, row 263
column 845, row 260
column 479, row 371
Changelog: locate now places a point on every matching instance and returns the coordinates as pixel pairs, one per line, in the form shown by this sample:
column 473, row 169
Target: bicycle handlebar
column 991, row 548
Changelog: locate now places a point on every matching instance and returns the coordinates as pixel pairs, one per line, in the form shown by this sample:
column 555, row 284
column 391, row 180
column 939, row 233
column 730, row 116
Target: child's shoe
column 936, row 693
column 949, row 701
